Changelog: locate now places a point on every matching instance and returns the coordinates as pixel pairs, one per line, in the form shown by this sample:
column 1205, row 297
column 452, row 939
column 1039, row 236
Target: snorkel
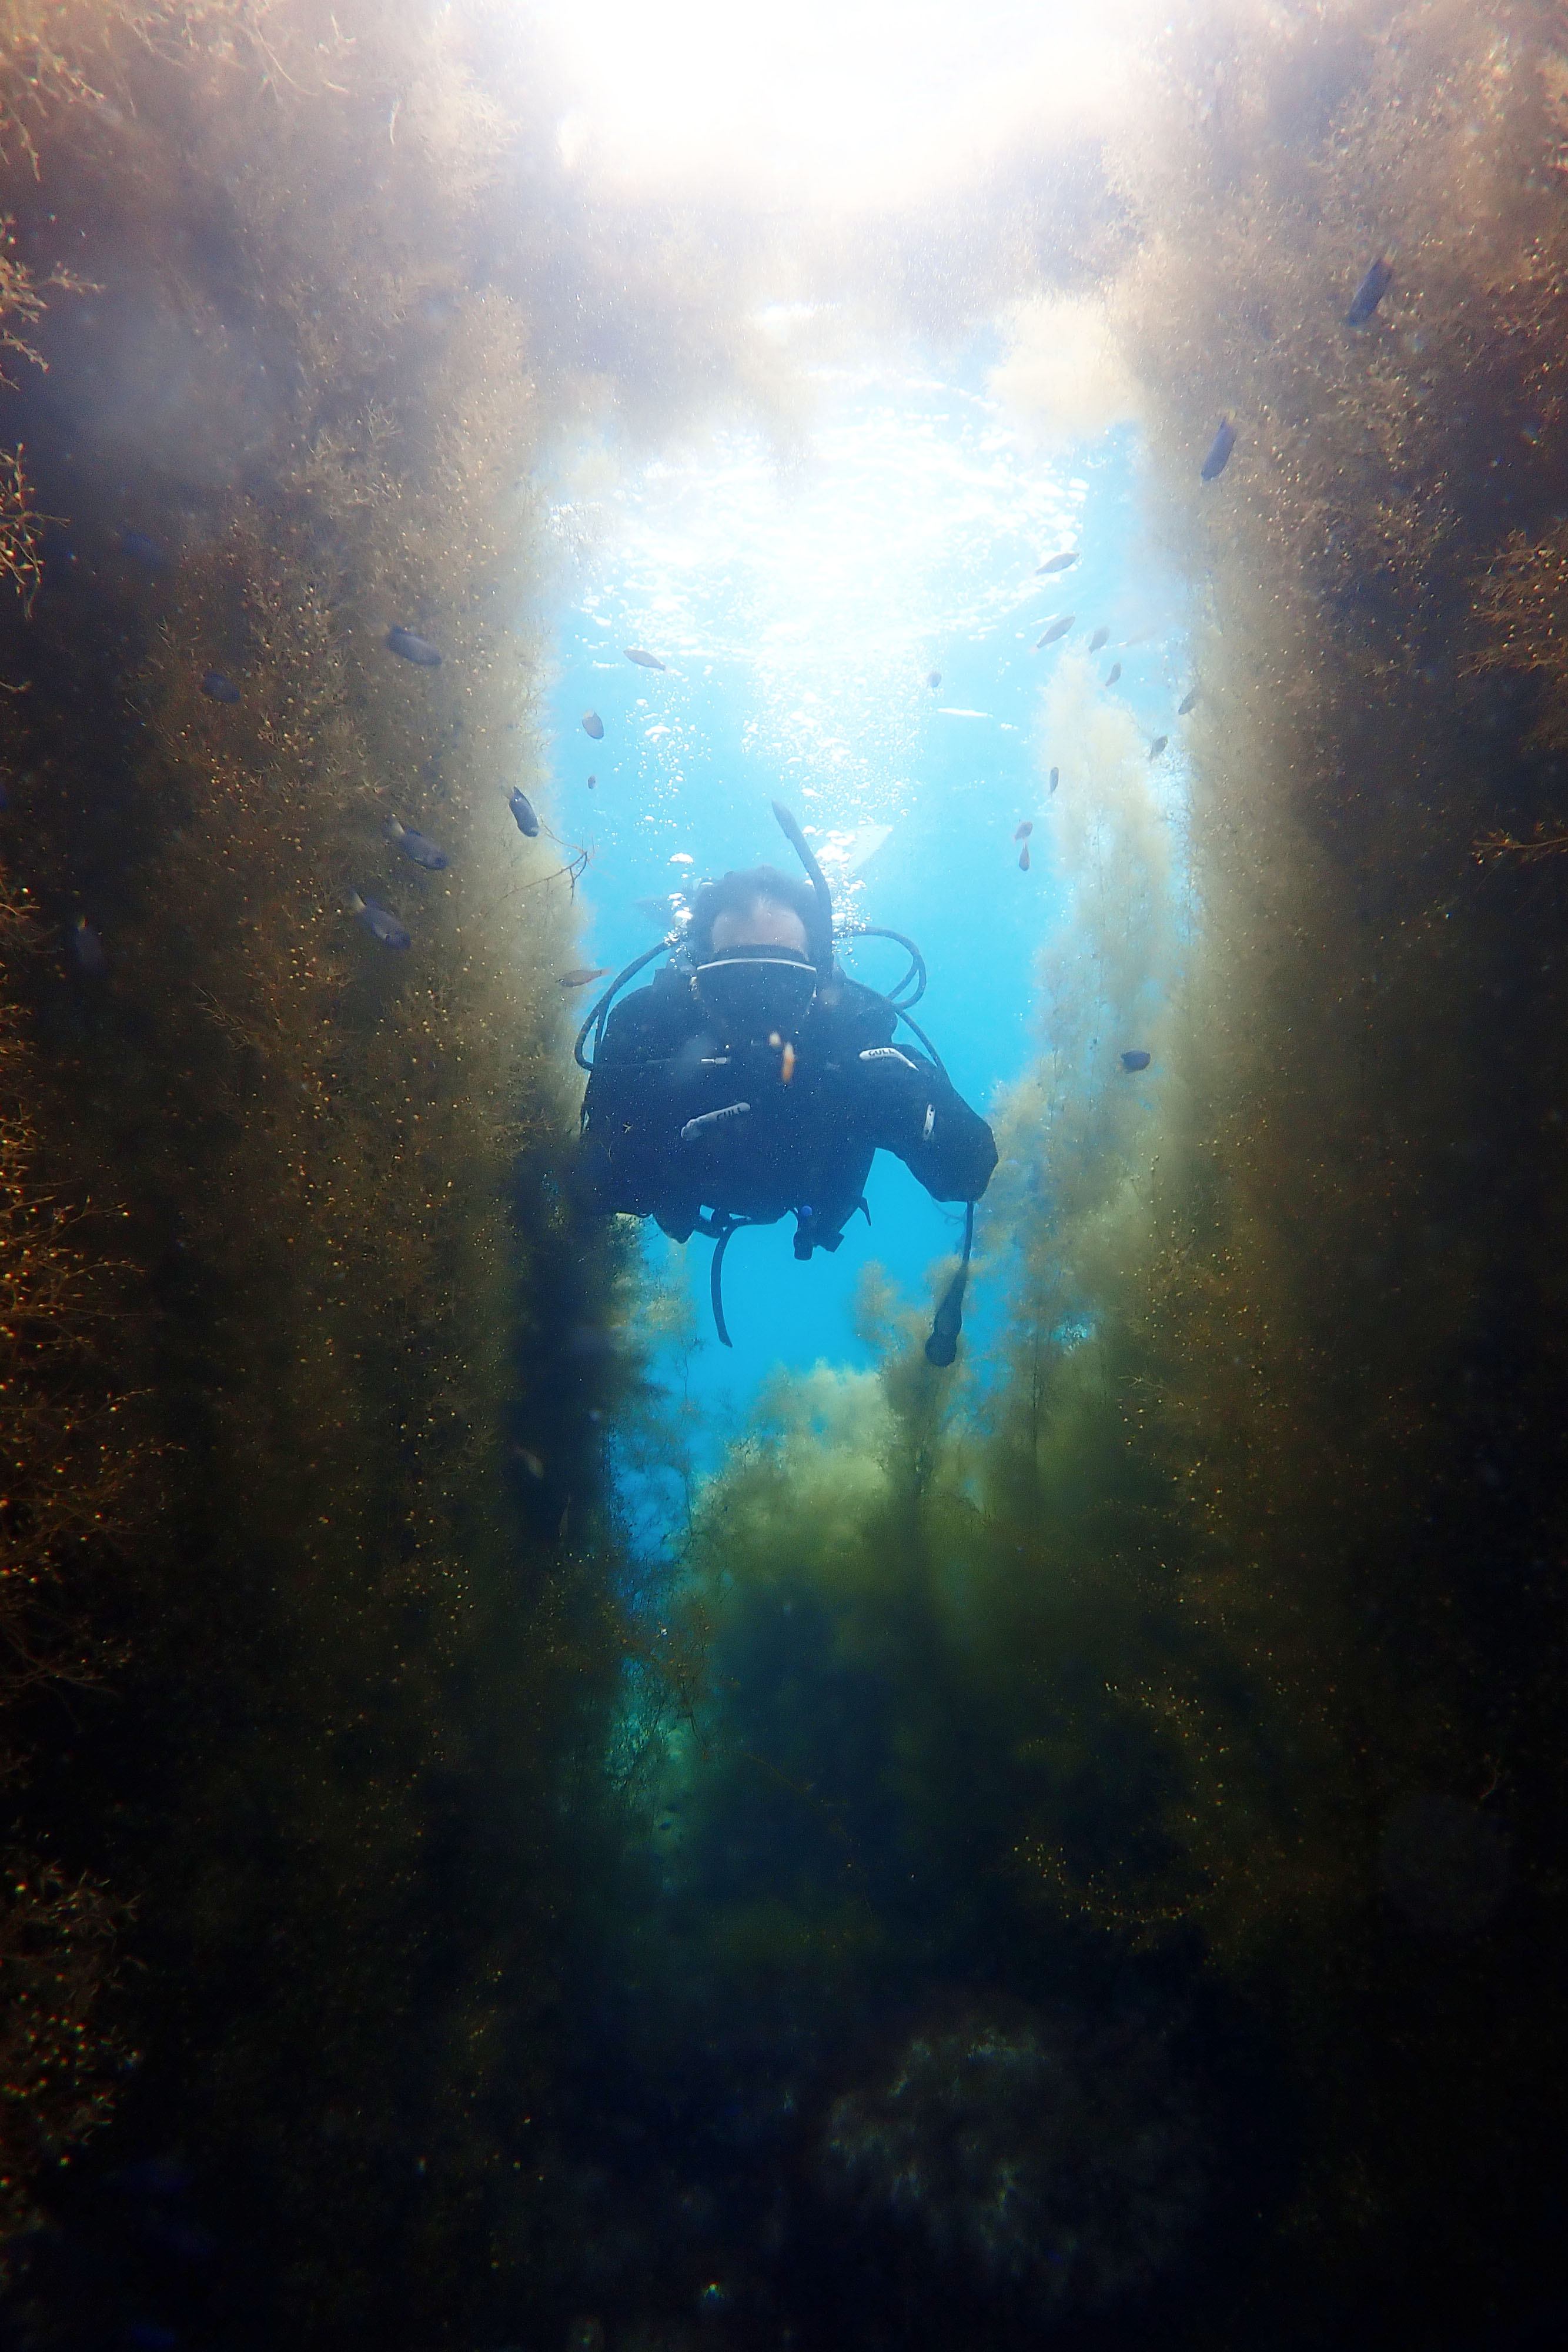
column 818, row 882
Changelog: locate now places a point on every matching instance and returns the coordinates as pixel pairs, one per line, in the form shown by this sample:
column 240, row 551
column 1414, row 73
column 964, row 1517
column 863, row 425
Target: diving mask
column 757, row 992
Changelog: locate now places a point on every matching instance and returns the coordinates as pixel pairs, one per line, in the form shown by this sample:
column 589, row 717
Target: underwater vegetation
column 1061, row 1843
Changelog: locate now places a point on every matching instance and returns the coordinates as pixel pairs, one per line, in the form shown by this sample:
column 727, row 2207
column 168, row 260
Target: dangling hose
column 943, row 1345
column 716, row 1286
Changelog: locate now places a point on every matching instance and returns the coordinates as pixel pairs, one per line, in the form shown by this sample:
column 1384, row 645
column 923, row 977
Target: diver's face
column 765, row 924
column 757, row 981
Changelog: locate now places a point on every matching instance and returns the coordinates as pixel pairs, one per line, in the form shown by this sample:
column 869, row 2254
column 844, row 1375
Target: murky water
column 529, row 1826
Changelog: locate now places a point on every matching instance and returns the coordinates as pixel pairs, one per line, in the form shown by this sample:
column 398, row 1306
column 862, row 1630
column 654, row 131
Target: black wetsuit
column 803, row 1143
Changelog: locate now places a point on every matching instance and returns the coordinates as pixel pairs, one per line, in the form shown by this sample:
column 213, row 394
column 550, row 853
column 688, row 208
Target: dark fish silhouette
column 219, row 688
column 417, row 845
column 377, row 921
column 592, row 724
column 1136, row 1061
column 1055, row 778
column 1369, row 293
column 934, row 679
column 1024, row 830
column 1056, row 563
column 1219, row 450
column 142, row 550
column 592, row 783
column 581, row 974
column 644, row 660
column 1158, row 746
column 88, row 949
column 1188, row 702
column 1112, row 674
column 412, row 649
column 1058, row 628
column 1101, row 638
column 1024, row 859
column 522, row 808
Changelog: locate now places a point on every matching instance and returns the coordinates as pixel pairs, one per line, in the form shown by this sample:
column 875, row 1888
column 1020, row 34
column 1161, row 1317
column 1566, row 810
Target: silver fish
column 592, row 724
column 1369, row 293
column 376, row 920
column 417, row 845
column 522, row 808
column 1158, row 746
column 1056, row 563
column 1219, row 450
column 1188, row 702
column 1112, row 674
column 1058, row 628
column 413, row 649
column 644, row 660
column 88, row 949
column 1101, row 638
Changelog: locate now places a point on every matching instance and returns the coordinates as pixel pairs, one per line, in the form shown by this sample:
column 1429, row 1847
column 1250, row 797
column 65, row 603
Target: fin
column 941, row 1346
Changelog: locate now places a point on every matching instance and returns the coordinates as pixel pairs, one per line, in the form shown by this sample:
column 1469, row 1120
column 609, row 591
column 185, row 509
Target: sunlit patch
column 869, row 104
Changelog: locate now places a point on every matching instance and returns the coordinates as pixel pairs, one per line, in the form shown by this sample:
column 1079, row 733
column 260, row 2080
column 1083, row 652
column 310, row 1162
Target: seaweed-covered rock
column 1055, row 2161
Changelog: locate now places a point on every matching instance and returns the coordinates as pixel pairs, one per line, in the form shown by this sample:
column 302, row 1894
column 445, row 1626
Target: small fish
column 88, row 949
column 531, row 1462
column 934, row 679
column 1158, row 746
column 1219, row 450
column 593, row 725
column 1112, row 674
column 1024, row 859
column 1055, row 778
column 1369, row 293
column 1136, row 1061
column 417, row 845
column 142, row 550
column 1058, row 628
column 592, row 782
column 644, row 660
column 1188, row 702
column 412, row 649
column 1056, row 563
column 522, row 808
column 1101, row 638
column 376, row 920
column 581, row 974
column 787, row 1063
column 1024, row 830
column 219, row 688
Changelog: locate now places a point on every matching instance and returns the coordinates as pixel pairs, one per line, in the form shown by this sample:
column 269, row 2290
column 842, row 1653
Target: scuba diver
column 752, row 1079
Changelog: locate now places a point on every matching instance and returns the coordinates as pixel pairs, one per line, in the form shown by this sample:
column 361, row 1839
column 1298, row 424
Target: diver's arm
column 639, row 1098
column 909, row 1108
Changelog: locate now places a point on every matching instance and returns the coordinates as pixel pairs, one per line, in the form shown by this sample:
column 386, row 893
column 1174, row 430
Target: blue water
column 800, row 601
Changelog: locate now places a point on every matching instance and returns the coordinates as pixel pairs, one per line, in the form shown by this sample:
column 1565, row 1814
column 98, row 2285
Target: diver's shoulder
column 859, row 1012
column 651, row 1018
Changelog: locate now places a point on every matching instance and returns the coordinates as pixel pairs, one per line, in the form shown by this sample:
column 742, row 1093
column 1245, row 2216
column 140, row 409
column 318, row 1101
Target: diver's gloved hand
column 896, row 1097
